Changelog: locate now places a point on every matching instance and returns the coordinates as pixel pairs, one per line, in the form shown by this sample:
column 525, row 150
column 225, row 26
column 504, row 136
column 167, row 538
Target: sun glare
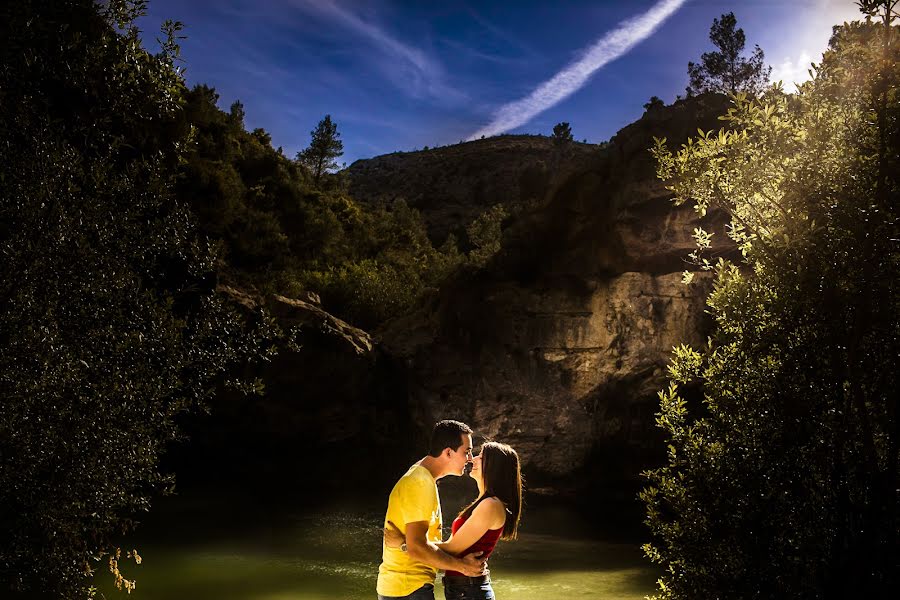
column 807, row 39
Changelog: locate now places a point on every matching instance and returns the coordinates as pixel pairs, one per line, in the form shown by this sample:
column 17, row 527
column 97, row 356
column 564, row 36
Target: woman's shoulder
column 493, row 508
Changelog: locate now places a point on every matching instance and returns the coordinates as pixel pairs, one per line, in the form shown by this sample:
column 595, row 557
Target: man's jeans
column 426, row 592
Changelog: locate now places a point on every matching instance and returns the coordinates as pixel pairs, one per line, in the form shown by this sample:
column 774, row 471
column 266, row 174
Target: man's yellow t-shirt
column 414, row 498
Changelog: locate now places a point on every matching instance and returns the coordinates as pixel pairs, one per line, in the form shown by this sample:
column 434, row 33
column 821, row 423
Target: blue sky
column 400, row 75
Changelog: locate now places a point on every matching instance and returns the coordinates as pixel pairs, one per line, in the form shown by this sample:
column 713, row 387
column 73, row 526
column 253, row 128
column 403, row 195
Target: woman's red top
column 485, row 544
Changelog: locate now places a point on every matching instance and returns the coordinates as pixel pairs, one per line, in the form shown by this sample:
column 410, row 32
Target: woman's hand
column 392, row 536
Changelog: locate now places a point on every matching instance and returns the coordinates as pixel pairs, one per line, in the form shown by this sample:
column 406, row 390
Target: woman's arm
column 489, row 514
column 393, row 537
column 421, row 550
column 429, row 553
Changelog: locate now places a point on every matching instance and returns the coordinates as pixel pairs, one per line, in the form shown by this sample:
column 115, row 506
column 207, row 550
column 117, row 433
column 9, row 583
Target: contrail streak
column 608, row 48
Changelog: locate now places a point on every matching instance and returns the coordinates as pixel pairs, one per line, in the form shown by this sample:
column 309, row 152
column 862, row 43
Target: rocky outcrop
column 560, row 344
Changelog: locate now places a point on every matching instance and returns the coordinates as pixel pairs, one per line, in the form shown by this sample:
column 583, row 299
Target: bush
column 786, row 484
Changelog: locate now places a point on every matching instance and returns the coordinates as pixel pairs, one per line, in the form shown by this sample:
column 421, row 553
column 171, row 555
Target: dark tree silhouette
column 562, row 133
column 654, row 104
column 725, row 70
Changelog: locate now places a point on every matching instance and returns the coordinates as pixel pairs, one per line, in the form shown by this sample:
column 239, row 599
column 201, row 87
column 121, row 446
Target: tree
column 725, row 71
column 562, row 134
column 485, row 235
column 654, row 104
column 323, row 149
column 109, row 325
column 784, row 483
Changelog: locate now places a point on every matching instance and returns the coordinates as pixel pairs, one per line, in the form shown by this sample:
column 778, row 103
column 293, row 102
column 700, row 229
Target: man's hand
column 473, row 565
column 421, row 550
column 392, row 536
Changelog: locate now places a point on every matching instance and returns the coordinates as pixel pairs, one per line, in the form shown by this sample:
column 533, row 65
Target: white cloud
column 572, row 78
column 411, row 68
column 792, row 72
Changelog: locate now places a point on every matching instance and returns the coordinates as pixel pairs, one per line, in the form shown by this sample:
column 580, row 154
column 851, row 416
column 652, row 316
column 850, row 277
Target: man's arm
column 421, row 550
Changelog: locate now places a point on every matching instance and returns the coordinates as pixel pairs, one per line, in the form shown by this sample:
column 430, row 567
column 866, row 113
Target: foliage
column 654, row 104
column 392, row 266
column 784, row 484
column 281, row 232
column 725, row 71
column 562, row 133
column 108, row 321
column 239, row 187
column 324, row 147
column 485, row 235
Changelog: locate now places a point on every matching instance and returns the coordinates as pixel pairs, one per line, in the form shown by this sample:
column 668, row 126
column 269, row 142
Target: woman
column 493, row 516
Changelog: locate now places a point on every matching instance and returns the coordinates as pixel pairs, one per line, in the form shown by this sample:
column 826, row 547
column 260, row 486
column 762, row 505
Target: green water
column 335, row 554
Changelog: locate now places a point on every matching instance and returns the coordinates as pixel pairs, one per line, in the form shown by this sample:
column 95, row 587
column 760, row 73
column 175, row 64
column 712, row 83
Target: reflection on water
column 335, row 554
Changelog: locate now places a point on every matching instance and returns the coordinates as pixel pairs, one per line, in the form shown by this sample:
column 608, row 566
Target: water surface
column 213, row 552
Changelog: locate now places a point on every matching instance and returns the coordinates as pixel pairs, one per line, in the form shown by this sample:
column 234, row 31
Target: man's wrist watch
column 403, row 547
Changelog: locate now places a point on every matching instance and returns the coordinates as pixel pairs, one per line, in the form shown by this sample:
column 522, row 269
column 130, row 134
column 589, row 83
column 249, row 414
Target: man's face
column 462, row 455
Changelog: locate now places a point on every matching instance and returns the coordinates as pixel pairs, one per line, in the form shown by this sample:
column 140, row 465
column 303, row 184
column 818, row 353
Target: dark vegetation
column 108, row 322
column 324, row 148
column 725, row 70
column 562, row 133
column 288, row 226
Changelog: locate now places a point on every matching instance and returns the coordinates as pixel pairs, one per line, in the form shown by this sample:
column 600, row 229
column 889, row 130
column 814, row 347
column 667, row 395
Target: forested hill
column 368, row 240
column 452, row 185
column 282, row 231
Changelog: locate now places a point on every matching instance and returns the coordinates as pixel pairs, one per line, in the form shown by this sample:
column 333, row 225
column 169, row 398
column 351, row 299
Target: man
column 414, row 508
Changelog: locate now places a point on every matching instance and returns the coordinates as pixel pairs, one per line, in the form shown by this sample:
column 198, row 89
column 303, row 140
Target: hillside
column 452, row 185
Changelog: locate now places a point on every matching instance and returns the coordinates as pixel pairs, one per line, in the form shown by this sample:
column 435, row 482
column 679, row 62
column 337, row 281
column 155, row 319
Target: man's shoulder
column 417, row 475
column 417, row 481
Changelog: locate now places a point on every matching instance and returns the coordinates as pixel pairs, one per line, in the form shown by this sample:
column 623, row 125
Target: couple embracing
column 413, row 549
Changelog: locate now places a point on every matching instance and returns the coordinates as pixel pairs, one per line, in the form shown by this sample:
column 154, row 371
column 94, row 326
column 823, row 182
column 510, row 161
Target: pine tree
column 562, row 133
column 323, row 149
column 726, row 71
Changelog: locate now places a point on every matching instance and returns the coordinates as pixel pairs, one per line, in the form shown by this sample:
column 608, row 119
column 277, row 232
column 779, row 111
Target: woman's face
column 477, row 473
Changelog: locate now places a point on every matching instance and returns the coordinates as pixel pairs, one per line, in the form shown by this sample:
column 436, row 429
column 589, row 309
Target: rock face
column 559, row 345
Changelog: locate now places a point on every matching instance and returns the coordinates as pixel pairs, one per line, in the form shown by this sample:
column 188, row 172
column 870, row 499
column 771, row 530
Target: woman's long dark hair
column 503, row 480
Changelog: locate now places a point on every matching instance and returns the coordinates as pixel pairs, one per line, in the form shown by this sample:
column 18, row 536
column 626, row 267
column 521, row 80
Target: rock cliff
column 560, row 344
column 557, row 346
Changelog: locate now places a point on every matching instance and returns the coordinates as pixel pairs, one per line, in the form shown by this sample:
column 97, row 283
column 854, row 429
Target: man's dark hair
column 446, row 434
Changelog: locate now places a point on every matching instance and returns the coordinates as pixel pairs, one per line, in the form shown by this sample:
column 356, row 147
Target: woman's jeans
column 464, row 588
